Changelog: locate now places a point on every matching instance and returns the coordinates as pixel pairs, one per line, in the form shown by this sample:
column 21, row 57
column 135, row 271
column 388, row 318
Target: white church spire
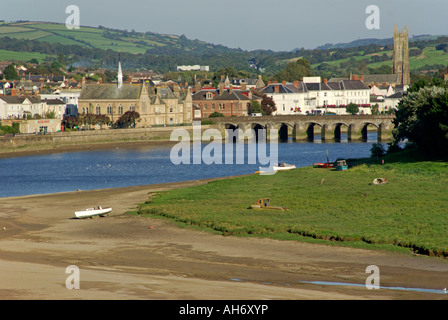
column 120, row 73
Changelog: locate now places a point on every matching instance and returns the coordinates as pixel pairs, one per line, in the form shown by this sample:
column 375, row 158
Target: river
column 134, row 166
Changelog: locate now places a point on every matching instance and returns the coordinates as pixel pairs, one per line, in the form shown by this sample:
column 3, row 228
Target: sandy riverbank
column 130, row 257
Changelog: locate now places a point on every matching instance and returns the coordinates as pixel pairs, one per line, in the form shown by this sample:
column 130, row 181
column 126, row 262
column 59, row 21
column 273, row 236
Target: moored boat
column 323, row 165
column 341, row 165
column 284, row 166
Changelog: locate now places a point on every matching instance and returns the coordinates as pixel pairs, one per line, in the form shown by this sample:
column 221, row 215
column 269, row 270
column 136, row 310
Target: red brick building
column 228, row 101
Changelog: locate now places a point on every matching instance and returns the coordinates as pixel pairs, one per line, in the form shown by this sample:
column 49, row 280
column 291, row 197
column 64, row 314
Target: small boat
column 323, row 165
column 91, row 212
column 265, row 203
column 284, row 166
column 341, row 165
column 273, row 169
column 327, row 164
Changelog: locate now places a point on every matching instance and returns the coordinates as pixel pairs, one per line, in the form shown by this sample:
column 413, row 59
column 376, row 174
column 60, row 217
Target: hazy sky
column 247, row 24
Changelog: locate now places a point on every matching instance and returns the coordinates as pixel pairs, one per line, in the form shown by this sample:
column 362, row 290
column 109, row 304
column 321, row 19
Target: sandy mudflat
column 130, row 257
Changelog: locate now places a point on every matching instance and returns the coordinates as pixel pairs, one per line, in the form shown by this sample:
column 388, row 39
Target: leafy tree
column 268, row 105
column 295, row 71
column 216, row 114
column 377, row 150
column 255, row 107
column 422, row 118
column 50, row 115
column 374, row 109
column 127, row 120
column 352, row 108
column 70, row 122
column 10, row 73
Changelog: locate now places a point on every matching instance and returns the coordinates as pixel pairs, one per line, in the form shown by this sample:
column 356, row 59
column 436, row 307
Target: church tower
column 401, row 56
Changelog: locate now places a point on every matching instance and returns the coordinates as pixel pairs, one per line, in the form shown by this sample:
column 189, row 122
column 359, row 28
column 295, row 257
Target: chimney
column 230, row 89
column 296, row 83
column 354, row 77
column 269, row 82
column 276, row 88
column 83, row 83
column 361, row 78
column 325, row 80
column 243, row 86
column 284, row 82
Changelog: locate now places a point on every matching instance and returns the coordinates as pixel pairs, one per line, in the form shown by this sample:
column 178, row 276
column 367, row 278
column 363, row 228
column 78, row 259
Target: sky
column 247, row 24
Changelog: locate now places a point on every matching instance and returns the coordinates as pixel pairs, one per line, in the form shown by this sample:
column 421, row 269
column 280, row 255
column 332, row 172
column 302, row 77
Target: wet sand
column 130, row 257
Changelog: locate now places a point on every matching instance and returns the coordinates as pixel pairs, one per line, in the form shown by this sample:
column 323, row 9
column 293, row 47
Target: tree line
column 88, row 120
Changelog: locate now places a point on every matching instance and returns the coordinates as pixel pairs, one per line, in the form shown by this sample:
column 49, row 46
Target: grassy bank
column 344, row 208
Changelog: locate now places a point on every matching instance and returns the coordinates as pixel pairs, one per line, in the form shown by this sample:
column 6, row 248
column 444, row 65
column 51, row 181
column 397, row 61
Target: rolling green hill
column 100, row 47
column 429, row 57
column 104, row 38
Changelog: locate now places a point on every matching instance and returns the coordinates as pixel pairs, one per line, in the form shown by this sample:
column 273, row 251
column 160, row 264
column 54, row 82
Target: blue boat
column 341, row 165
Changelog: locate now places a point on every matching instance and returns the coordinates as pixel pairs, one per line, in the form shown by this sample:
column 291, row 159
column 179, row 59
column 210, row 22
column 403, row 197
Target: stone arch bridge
column 301, row 127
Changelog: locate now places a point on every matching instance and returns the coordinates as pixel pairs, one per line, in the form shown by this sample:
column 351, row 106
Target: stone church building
column 156, row 106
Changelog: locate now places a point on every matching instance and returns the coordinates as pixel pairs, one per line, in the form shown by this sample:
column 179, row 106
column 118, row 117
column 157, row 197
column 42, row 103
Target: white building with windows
column 18, row 107
column 70, row 98
column 312, row 96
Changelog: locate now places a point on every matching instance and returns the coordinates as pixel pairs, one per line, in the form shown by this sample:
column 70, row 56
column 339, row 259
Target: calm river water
column 133, row 166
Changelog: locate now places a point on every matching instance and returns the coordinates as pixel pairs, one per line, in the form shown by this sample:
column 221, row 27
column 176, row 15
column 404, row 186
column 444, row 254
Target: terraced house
column 313, row 96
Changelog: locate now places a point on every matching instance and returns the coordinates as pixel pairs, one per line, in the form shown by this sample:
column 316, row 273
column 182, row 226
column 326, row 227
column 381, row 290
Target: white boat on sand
column 91, row 212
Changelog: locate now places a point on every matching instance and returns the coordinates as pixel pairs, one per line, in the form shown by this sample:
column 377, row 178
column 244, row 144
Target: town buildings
column 314, row 96
column 227, row 101
column 155, row 105
column 21, row 107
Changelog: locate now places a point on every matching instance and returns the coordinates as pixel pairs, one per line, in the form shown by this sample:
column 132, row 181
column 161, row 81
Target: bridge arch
column 339, row 128
column 369, row 126
column 285, row 131
column 260, row 131
column 312, row 128
column 231, row 132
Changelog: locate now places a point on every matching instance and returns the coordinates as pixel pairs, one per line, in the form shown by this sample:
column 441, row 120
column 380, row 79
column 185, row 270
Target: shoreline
column 85, row 147
column 125, row 256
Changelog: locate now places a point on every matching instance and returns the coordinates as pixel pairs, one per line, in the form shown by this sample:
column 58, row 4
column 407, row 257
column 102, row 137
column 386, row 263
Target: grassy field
column 85, row 36
column 6, row 55
column 409, row 213
column 430, row 56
